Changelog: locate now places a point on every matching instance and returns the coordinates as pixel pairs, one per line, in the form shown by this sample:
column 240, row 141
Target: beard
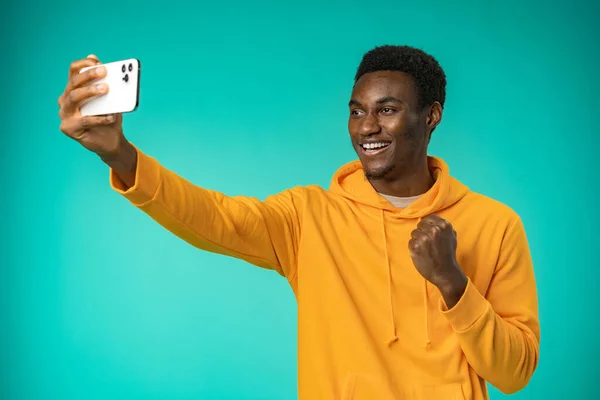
column 379, row 173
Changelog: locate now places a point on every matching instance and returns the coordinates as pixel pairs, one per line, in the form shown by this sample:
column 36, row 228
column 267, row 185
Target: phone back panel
column 123, row 80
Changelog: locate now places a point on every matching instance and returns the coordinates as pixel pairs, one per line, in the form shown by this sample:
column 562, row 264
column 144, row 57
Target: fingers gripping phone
column 123, row 80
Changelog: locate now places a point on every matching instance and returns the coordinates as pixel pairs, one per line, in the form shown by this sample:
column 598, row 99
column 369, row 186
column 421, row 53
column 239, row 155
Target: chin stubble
column 381, row 174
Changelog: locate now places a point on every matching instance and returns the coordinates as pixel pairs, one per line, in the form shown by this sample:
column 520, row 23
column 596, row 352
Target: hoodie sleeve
column 499, row 333
column 263, row 233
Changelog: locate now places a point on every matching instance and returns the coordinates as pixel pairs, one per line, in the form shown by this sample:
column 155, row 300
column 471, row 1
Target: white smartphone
column 123, row 96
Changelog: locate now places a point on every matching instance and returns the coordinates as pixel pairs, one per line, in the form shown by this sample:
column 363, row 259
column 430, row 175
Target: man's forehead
column 384, row 83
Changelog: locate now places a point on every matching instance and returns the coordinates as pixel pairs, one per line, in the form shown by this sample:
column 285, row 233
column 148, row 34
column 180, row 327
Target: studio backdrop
column 250, row 98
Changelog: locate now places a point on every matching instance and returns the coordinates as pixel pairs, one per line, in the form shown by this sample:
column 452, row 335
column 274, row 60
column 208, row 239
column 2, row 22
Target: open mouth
column 374, row 147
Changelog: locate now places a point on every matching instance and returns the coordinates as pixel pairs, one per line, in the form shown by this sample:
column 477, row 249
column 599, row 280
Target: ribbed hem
column 471, row 306
column 147, row 180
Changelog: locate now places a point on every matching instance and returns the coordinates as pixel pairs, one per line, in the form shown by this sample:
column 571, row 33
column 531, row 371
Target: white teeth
column 372, row 146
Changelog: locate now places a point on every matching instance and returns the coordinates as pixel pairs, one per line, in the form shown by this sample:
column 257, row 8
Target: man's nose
column 369, row 125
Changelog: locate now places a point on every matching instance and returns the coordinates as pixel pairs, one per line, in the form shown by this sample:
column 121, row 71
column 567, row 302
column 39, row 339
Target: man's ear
column 434, row 117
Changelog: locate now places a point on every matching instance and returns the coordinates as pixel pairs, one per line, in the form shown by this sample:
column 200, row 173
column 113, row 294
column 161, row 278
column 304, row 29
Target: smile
column 374, row 148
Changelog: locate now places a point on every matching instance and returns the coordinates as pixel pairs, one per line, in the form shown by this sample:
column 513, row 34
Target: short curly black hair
column 429, row 76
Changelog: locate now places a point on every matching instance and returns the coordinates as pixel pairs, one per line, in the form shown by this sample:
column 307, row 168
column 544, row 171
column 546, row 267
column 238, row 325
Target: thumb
column 93, row 57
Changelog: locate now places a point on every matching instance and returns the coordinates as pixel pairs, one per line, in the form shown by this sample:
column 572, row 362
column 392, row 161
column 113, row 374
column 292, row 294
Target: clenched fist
column 433, row 250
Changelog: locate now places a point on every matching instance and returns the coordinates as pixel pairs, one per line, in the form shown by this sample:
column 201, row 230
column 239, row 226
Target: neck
column 406, row 182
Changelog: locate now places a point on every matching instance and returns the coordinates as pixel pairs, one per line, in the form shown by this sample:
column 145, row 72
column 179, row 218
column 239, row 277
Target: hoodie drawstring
column 426, row 307
column 394, row 335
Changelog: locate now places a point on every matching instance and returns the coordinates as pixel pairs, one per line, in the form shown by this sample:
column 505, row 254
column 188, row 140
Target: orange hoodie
column 369, row 326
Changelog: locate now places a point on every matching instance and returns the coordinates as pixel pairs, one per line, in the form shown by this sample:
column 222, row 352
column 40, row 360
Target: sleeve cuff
column 471, row 306
column 147, row 180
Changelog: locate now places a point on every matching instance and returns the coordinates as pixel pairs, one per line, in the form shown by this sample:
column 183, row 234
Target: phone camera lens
column 130, row 67
column 123, row 68
column 126, row 77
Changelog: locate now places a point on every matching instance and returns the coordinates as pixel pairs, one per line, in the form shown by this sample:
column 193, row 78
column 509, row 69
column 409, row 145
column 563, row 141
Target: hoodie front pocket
column 366, row 387
column 452, row 391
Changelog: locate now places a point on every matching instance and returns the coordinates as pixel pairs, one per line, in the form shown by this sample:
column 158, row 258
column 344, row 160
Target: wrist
column 123, row 159
column 453, row 288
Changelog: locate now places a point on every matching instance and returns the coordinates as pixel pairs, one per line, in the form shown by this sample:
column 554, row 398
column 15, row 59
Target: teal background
column 99, row 302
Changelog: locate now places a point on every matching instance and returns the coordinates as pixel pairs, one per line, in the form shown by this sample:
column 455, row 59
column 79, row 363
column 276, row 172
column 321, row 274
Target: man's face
column 389, row 131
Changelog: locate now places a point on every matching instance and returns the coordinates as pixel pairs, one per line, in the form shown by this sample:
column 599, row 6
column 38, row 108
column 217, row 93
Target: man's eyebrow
column 389, row 99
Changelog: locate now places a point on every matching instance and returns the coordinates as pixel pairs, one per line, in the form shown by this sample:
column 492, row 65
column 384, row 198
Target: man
column 408, row 284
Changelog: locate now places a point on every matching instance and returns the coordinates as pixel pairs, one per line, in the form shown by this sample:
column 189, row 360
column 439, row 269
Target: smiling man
column 409, row 285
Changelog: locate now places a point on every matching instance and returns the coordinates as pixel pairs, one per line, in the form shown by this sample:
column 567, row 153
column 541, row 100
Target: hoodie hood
column 350, row 182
